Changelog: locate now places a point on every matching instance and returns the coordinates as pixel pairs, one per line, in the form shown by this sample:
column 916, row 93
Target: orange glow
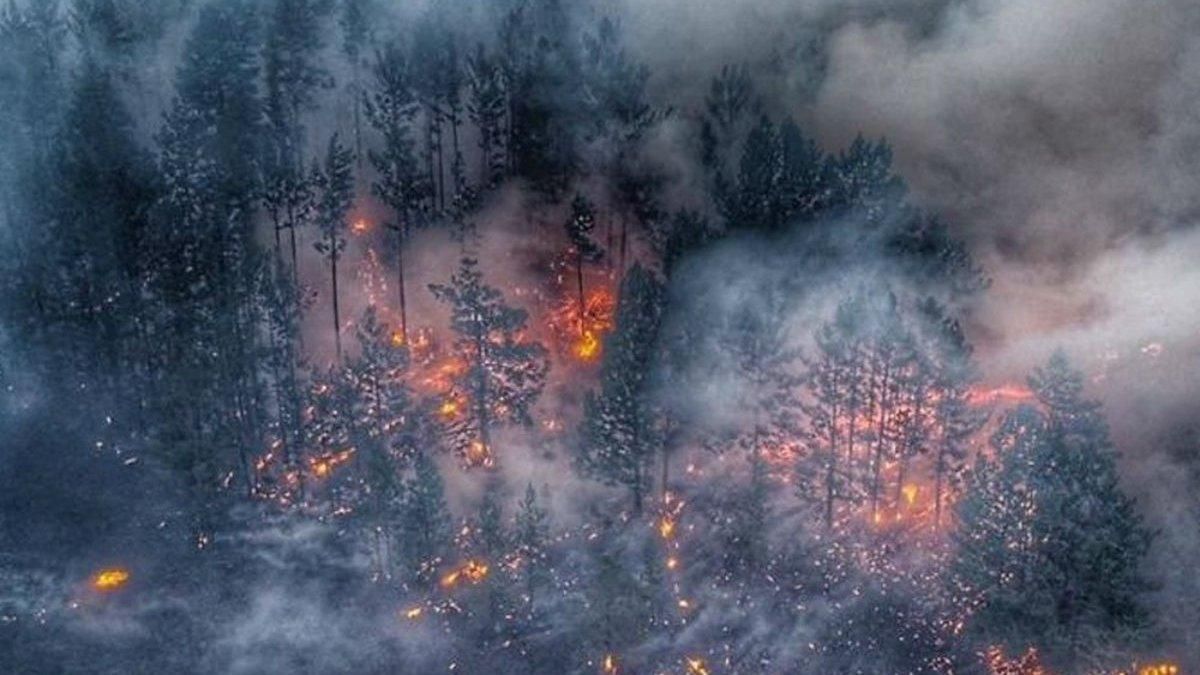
column 110, row 579
column 666, row 527
column 449, row 408
column 323, row 466
column 1159, row 669
column 413, row 613
column 588, row 347
column 910, row 492
column 360, row 226
column 582, row 336
column 672, row 563
column 696, row 666
column 609, row 665
column 1026, row 664
column 397, row 338
column 472, row 571
column 479, row 454
column 1005, row 393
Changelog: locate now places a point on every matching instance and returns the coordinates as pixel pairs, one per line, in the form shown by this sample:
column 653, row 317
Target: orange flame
column 110, row 579
column 1159, row 669
column 472, row 571
column 609, row 665
column 413, row 613
column 696, row 666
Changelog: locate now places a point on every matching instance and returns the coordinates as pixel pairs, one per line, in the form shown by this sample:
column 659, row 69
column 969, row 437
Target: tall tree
column 505, row 371
column 1049, row 547
column 618, row 434
column 579, row 231
column 336, row 181
column 390, row 108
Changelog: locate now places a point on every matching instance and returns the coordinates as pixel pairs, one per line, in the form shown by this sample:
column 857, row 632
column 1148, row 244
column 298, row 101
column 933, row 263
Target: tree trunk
column 337, row 321
column 400, row 282
column 582, row 302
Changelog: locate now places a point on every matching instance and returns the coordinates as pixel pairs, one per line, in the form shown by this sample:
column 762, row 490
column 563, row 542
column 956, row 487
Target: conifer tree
column 618, row 435
column 505, row 373
column 336, row 182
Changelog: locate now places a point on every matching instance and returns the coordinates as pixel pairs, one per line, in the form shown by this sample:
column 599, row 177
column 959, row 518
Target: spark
column 696, row 666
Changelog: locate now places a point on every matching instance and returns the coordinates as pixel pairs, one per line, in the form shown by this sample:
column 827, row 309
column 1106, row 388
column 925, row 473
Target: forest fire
column 584, row 331
column 323, row 465
column 1159, row 669
column 110, row 579
column 471, row 572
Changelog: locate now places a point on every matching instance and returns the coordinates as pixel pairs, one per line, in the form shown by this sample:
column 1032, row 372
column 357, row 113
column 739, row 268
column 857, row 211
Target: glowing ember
column 360, row 226
column 1159, row 669
column 323, row 466
column 110, row 579
column 609, row 665
column 397, row 338
column 666, row 527
column 413, row 613
column 1026, row 664
column 479, row 454
column 472, row 571
column 910, row 491
column 696, row 666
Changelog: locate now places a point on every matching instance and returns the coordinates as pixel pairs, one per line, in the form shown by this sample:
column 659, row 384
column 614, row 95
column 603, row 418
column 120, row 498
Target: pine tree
column 1049, row 546
column 390, row 108
column 336, row 181
column 531, row 536
column 579, row 231
column 618, row 437
column 425, row 525
column 505, row 373
column 354, row 20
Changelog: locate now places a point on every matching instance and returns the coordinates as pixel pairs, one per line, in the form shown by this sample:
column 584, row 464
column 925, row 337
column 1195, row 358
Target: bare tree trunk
column 337, row 321
column 400, row 282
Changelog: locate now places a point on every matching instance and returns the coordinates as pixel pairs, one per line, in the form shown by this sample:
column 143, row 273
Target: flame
column 609, row 665
column 672, row 562
column 397, row 338
column 472, row 571
column 666, row 527
column 582, row 335
column 479, row 454
column 413, row 613
column 449, row 408
column 323, row 466
column 696, row 666
column 1159, row 669
column 588, row 347
column 910, row 491
column 110, row 579
column 360, row 226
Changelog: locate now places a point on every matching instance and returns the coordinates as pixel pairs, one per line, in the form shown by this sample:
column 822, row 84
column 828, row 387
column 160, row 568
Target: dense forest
column 360, row 336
